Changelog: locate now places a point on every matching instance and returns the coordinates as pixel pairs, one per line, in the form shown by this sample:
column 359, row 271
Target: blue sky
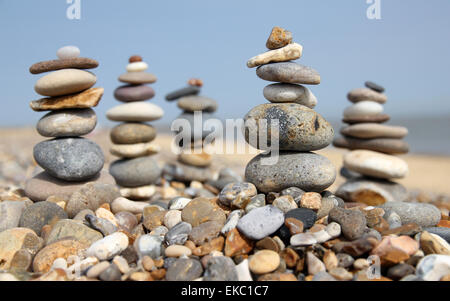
column 407, row 51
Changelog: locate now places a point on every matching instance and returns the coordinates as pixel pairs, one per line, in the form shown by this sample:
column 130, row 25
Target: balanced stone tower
column 68, row 160
column 136, row 171
column 193, row 162
column 371, row 164
column 300, row 129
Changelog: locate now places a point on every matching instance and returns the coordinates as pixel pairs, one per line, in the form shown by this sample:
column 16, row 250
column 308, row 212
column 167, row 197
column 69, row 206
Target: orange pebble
column 444, row 223
column 135, row 58
column 195, row 82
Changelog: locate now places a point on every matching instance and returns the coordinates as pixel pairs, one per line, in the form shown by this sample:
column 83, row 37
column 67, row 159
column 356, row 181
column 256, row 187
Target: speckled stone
column 184, row 269
column 288, row 72
column 352, row 222
column 237, row 194
column 220, row 268
column 201, row 210
column 424, row 215
column 261, row 222
column 40, row 214
column 130, row 133
column 67, row 123
column 277, row 93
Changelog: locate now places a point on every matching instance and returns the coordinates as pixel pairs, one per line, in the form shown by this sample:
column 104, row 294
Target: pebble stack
column 68, row 159
column 193, row 161
column 136, row 171
column 371, row 165
column 301, row 129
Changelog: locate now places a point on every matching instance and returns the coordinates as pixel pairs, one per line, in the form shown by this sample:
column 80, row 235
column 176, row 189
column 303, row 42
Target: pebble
column 256, row 201
column 10, row 213
column 195, row 82
column 201, row 210
column 237, row 194
column 102, row 225
column 66, row 123
column 433, row 267
column 186, row 173
column 380, row 118
column 220, row 268
column 333, row 229
column 314, row 264
column 111, row 273
column 149, row 245
column 184, row 269
column 289, row 52
column 303, row 239
column 187, row 91
column 285, row 203
column 178, row 234
column 135, row 111
column 97, row 269
column 382, row 145
column 70, row 159
column 352, row 222
column 137, row 66
column 14, row 239
column 39, row 214
column 61, row 249
column 263, row 262
column 138, row 193
column 194, row 103
column 178, row 203
column 441, row 231
column 393, row 250
column 433, row 244
column 243, row 271
column 198, row 160
column 374, row 130
column 294, row 192
column 63, row 82
column 327, row 204
column 153, row 219
column 278, row 38
column 74, row 63
column 137, row 78
column 374, row 164
column 295, row 226
column 68, row 52
column 312, row 133
column 261, row 222
column 288, row 72
column 205, row 232
column 424, row 215
column 236, row 244
column 232, row 221
column 177, row 251
column 319, row 176
column 363, row 94
column 172, row 218
column 130, row 133
column 374, row 86
column 363, row 108
column 399, row 271
column 134, row 150
column 307, row 216
column 77, row 231
column 86, row 99
column 344, row 260
column 394, row 220
column 122, row 204
column 130, row 93
column 279, row 93
column 323, row 276
column 109, row 246
column 135, row 172
column 121, row 264
column 91, row 196
column 311, row 200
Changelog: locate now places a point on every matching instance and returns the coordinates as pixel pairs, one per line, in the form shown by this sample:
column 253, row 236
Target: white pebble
column 68, row 52
column 334, row 229
column 109, row 246
column 363, row 108
column 172, row 218
column 137, row 67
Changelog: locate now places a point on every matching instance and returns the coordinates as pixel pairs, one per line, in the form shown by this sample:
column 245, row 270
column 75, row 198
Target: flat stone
column 382, row 145
column 11, row 241
column 130, row 133
column 187, row 173
column 362, row 94
column 39, row 214
column 126, row 220
column 137, row 78
column 205, row 232
column 288, row 72
column 66, row 228
column 363, row 108
column 352, row 222
column 134, row 150
column 278, row 38
column 374, row 130
column 63, row 82
column 122, row 204
column 280, row 92
column 138, row 193
column 137, row 66
column 237, row 194
column 10, row 213
column 61, row 249
column 261, row 222
column 307, row 171
column 433, row 267
column 69, row 159
column 201, row 210
column 68, row 52
column 424, row 215
column 220, row 268
column 199, row 160
column 184, row 269
column 187, row 91
column 135, row 172
column 130, row 93
column 42, row 186
column 380, row 118
column 303, row 239
column 194, row 103
column 74, row 63
column 135, row 111
column 263, row 262
column 287, row 53
column 86, row 99
column 300, row 128
column 178, row 234
column 374, row 86
column 375, row 164
column 109, row 246
column 67, row 123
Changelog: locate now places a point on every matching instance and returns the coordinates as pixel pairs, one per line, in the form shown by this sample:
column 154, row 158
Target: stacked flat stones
column 68, row 159
column 193, row 162
column 136, row 171
column 371, row 164
column 301, row 129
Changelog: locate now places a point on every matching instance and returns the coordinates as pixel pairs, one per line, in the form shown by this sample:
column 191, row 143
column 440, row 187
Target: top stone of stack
column 136, row 74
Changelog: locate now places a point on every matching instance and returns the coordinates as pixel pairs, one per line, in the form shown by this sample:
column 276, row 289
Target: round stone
column 75, row 63
column 288, row 72
column 237, row 194
column 130, row 93
column 137, row 78
column 200, row 160
column 67, row 123
column 135, row 58
column 134, row 150
column 362, row 94
column 290, row 93
column 184, row 269
column 382, row 145
column 63, row 82
column 353, row 222
column 131, row 132
column 135, row 111
column 135, row 172
column 68, row 52
column 374, row 86
column 44, row 259
column 307, row 171
column 264, row 261
column 149, row 245
column 380, row 118
column 433, row 267
column 42, row 186
column 109, row 246
column 74, row 229
column 300, row 128
column 261, row 222
column 178, row 234
column 375, row 164
column 201, row 210
column 363, row 108
column 137, row 66
column 374, row 130
column 40, row 214
column 10, row 213
column 69, row 159
column 197, row 103
column 424, row 215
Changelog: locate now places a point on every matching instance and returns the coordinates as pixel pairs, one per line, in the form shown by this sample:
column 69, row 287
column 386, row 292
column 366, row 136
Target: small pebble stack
column 371, row 164
column 194, row 161
column 136, row 171
column 301, row 129
column 67, row 158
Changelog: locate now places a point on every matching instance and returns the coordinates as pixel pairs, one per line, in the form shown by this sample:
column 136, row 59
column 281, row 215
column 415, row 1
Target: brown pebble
column 216, row 244
column 278, row 38
column 237, row 244
column 290, row 257
column 294, row 225
column 330, row 259
column 105, row 206
column 317, row 228
column 158, row 274
column 135, row 58
column 195, row 82
column 311, row 200
column 159, row 262
column 45, row 231
column 148, row 263
column 268, row 243
column 190, row 244
column 278, row 277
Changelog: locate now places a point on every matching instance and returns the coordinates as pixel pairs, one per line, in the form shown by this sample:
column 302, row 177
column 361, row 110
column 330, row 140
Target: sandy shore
column 428, row 173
